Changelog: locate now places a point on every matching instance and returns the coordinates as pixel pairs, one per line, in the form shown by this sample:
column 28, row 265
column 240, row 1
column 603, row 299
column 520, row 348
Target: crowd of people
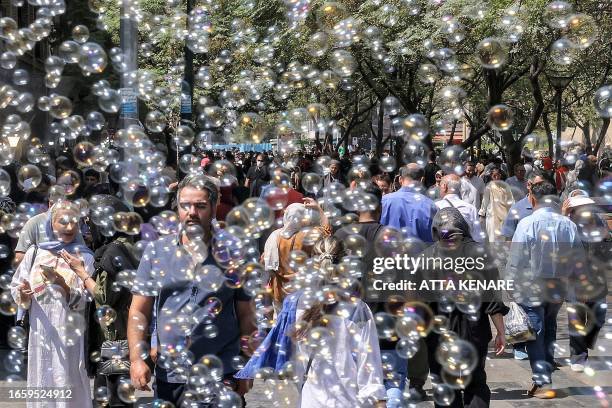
column 258, row 267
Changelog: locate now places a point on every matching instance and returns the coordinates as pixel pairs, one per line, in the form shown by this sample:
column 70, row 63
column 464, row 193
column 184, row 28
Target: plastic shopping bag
column 518, row 326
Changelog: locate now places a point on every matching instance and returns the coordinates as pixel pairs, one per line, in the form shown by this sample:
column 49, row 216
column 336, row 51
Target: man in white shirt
column 518, row 183
column 450, row 186
column 476, row 182
column 468, row 193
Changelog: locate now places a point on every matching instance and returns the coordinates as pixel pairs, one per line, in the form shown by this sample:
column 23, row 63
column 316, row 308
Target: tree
column 270, row 59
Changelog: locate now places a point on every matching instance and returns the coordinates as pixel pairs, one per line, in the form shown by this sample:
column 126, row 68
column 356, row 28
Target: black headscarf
column 448, row 223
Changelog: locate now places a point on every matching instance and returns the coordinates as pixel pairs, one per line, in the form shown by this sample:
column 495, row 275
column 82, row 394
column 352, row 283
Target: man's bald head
column 411, row 173
column 450, row 184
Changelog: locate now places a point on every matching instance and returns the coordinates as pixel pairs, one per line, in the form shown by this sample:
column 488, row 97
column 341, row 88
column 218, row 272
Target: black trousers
column 580, row 345
column 477, row 393
column 111, row 382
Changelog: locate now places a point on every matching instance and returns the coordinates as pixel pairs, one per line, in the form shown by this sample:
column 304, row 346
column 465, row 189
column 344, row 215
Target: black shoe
column 534, row 388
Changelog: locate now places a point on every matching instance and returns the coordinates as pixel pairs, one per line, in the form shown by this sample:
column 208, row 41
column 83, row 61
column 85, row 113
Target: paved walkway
column 507, row 378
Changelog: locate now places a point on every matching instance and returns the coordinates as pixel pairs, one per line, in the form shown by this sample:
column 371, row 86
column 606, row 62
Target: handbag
column 114, row 354
column 24, row 321
column 518, row 326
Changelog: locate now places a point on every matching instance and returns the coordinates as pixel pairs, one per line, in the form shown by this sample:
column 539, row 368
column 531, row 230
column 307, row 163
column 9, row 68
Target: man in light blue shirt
column 522, row 208
column 407, row 208
column 546, row 250
column 519, row 210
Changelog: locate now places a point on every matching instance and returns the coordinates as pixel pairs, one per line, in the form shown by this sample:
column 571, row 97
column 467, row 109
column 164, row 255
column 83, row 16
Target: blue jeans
column 541, row 351
column 396, row 385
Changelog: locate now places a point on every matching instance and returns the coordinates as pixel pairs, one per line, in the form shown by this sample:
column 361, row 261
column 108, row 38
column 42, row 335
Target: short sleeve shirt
column 186, row 308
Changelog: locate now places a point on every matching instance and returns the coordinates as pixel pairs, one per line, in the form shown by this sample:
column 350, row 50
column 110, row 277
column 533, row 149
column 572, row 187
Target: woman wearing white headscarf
column 50, row 282
column 292, row 236
column 496, row 202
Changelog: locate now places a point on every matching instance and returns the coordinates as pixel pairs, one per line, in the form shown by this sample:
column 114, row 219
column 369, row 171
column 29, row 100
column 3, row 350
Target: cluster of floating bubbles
column 236, row 111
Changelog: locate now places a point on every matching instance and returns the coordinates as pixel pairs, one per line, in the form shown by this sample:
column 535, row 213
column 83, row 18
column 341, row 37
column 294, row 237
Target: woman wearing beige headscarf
column 294, row 235
column 496, row 203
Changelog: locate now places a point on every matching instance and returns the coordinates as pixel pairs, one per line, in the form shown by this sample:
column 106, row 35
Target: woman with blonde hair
column 50, row 282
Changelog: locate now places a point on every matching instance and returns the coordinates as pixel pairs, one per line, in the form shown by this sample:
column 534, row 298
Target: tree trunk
column 452, row 135
column 380, row 130
column 602, row 134
column 549, row 136
column 586, row 130
column 512, row 150
column 398, row 151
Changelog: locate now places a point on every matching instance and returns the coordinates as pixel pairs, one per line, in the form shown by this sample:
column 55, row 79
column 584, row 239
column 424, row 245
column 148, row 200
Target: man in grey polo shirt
column 170, row 280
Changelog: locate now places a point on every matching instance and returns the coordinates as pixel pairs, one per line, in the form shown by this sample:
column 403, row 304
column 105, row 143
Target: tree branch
column 536, row 91
column 475, row 135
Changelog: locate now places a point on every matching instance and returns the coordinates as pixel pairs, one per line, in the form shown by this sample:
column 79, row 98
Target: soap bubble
column 443, row 394
column 251, row 128
column 562, row 52
column 318, row 44
column 342, row 63
column 5, row 183
column 29, row 177
column 95, row 120
column 127, row 222
column 155, row 121
column 492, row 53
column 533, row 145
column 106, row 315
column 312, row 183
column 416, row 152
column 387, row 164
column 458, row 357
column 602, row 100
column 391, row 105
column 21, row 77
column 457, row 382
column 428, row 73
column 17, row 338
column 60, row 107
column 7, row 304
column 70, row 181
column 451, row 159
column 557, row 13
column 69, row 51
column 8, row 60
column 84, row 153
column 582, row 30
column 126, row 391
column 80, row 33
column 500, row 117
column 110, row 101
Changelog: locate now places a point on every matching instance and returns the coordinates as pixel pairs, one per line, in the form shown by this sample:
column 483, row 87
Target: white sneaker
column 577, row 368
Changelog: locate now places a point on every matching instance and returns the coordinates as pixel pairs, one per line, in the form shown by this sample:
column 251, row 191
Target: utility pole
column 128, row 32
column 187, row 82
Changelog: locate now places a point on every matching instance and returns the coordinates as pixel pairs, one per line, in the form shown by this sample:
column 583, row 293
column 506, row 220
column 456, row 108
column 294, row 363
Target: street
column 507, row 378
